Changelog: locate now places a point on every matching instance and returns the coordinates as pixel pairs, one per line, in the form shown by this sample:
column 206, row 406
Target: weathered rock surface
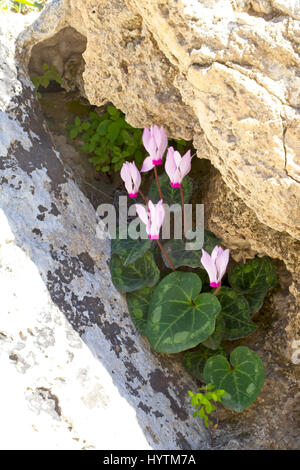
column 277, row 339
column 224, row 73
column 76, row 373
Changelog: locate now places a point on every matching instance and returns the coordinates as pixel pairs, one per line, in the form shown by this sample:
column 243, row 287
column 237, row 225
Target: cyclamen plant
column 190, row 310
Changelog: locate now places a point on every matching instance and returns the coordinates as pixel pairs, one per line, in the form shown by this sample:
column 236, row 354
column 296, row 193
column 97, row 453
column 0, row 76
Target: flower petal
column 146, row 138
column 125, row 172
column 136, row 177
column 177, row 158
column 160, row 212
column 170, row 165
column 157, row 135
column 177, row 177
column 142, row 213
column 185, row 164
column 163, row 142
column 147, row 164
column 221, row 264
column 209, row 266
column 157, row 214
column 126, row 177
column 216, row 252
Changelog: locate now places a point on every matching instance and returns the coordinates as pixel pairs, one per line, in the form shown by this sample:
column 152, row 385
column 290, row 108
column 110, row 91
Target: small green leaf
column 113, row 131
column 137, row 135
column 85, row 126
column 95, row 160
column 179, row 316
column 141, row 273
column 114, row 112
column 236, row 313
column 77, row 121
column 99, row 151
column 253, row 279
column 194, row 361
column 103, row 126
column 44, row 82
column 93, row 116
column 73, row 133
column 117, row 166
column 85, row 147
column 242, row 382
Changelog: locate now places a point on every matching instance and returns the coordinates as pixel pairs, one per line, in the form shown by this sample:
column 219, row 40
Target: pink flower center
column 157, row 162
column 175, row 185
column 215, row 284
column 133, row 194
column 154, row 237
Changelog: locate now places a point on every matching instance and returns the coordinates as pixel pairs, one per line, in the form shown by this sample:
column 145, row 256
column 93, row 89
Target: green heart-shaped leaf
column 176, row 249
column 194, row 361
column 236, row 313
column 179, row 318
column 214, row 340
column 138, row 306
column 253, row 279
column 128, row 249
column 141, row 273
column 242, row 383
column 170, row 195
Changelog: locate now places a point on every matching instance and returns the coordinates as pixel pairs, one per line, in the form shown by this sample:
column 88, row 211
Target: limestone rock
column 224, row 73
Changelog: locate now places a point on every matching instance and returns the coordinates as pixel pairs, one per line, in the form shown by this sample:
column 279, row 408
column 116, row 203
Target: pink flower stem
column 157, row 182
column 166, row 255
column 183, row 216
column 217, row 290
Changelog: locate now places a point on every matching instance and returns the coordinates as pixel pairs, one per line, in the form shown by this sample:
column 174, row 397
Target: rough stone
column 223, row 73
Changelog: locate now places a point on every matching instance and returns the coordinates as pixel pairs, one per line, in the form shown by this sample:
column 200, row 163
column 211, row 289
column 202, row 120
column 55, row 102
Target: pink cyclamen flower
column 215, row 264
column 177, row 167
column 153, row 218
column 131, row 177
column 155, row 142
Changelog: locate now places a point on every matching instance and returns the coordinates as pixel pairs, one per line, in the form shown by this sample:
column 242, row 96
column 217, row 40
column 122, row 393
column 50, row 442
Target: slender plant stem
column 217, row 290
column 212, row 435
column 166, row 255
column 143, row 196
column 183, row 215
column 157, row 182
